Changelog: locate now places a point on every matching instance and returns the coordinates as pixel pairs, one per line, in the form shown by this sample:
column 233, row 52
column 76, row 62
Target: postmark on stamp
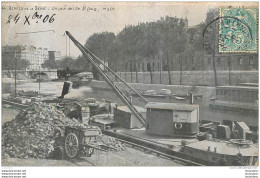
column 238, row 30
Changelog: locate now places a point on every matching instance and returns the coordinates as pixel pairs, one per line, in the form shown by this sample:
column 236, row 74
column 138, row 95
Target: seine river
column 55, row 88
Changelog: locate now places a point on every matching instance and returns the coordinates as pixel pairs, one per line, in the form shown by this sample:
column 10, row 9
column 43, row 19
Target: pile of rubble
column 31, row 133
column 113, row 143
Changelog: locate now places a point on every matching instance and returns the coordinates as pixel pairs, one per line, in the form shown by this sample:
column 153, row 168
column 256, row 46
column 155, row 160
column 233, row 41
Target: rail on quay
column 159, row 149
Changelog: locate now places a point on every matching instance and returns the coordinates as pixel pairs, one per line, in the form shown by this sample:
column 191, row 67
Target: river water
column 55, row 88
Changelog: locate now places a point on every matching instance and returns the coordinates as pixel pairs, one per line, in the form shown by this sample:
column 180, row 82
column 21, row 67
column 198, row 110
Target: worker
column 238, row 160
column 67, row 74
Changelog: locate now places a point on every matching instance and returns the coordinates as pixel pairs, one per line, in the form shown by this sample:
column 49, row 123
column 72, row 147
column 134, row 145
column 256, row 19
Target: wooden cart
column 80, row 142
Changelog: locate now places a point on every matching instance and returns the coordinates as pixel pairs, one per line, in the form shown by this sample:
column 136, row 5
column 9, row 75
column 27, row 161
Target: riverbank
column 197, row 78
column 206, row 91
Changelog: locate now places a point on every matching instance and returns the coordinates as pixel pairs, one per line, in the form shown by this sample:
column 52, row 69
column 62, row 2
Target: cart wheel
column 89, row 151
column 71, row 145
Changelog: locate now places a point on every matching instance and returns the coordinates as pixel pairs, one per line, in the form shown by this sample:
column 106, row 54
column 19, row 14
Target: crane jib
column 122, row 80
column 88, row 56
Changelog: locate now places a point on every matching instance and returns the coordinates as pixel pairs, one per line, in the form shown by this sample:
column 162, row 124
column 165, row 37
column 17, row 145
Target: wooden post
column 191, row 98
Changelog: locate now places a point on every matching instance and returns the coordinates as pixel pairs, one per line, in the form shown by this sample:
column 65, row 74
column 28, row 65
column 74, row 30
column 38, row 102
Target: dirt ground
column 129, row 157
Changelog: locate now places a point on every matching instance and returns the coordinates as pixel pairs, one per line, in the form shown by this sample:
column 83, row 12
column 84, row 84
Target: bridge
column 51, row 73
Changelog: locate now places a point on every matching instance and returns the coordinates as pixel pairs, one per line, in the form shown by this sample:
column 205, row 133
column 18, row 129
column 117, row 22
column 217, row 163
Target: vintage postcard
column 129, row 84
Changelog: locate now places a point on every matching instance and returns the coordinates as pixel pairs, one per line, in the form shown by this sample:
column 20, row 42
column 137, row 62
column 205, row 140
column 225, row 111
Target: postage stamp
column 238, row 30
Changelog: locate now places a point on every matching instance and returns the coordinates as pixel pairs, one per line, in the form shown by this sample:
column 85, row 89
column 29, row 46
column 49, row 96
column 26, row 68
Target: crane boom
column 123, row 98
column 122, row 80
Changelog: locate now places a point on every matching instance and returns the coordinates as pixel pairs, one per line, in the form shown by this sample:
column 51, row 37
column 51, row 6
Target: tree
column 12, row 61
column 174, row 39
column 211, row 38
column 100, row 44
column 83, row 64
column 67, row 62
column 163, row 39
column 50, row 64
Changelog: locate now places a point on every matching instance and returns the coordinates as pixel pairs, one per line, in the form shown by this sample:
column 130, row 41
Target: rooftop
column 125, row 108
column 172, row 106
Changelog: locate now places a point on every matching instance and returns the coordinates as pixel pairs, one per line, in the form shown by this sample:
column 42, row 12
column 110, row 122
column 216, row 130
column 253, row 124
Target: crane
column 93, row 60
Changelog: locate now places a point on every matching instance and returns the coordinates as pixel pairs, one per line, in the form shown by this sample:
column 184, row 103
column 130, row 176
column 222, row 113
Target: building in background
column 36, row 56
column 54, row 55
column 227, row 61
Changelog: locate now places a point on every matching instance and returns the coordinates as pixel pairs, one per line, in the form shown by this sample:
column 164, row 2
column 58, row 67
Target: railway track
column 159, row 153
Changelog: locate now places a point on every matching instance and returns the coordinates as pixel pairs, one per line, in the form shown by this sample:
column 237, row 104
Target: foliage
column 67, row 62
column 167, row 36
column 50, row 64
column 9, row 61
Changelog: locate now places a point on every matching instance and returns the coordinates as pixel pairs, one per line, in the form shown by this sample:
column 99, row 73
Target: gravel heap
column 31, row 133
column 113, row 143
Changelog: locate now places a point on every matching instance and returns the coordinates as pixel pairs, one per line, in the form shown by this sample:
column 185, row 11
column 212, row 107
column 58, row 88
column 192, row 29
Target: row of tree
column 169, row 35
column 166, row 37
column 161, row 39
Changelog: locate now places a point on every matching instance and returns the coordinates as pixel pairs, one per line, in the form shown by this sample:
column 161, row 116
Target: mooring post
column 191, row 98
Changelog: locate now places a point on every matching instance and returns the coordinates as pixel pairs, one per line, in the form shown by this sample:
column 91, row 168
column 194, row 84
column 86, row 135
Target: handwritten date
column 28, row 19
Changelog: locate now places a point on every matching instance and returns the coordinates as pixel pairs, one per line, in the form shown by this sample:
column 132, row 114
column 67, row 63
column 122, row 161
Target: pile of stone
column 113, row 143
column 32, row 132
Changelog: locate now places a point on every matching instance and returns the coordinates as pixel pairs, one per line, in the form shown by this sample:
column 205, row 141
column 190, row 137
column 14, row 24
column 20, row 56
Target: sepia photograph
column 129, row 84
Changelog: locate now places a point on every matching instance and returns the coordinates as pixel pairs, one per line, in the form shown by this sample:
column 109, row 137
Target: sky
column 82, row 23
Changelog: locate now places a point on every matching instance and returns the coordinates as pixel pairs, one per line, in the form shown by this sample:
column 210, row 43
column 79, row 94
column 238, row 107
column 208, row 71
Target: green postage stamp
column 238, row 30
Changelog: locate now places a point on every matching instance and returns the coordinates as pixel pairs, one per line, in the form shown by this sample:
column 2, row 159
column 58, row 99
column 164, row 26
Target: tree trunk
column 168, row 68
column 214, row 61
column 160, row 69
column 125, row 71
column 143, row 73
column 136, row 72
column 181, row 70
column 15, row 75
column 131, row 69
column 150, row 70
column 214, row 68
column 116, row 72
column 229, row 70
